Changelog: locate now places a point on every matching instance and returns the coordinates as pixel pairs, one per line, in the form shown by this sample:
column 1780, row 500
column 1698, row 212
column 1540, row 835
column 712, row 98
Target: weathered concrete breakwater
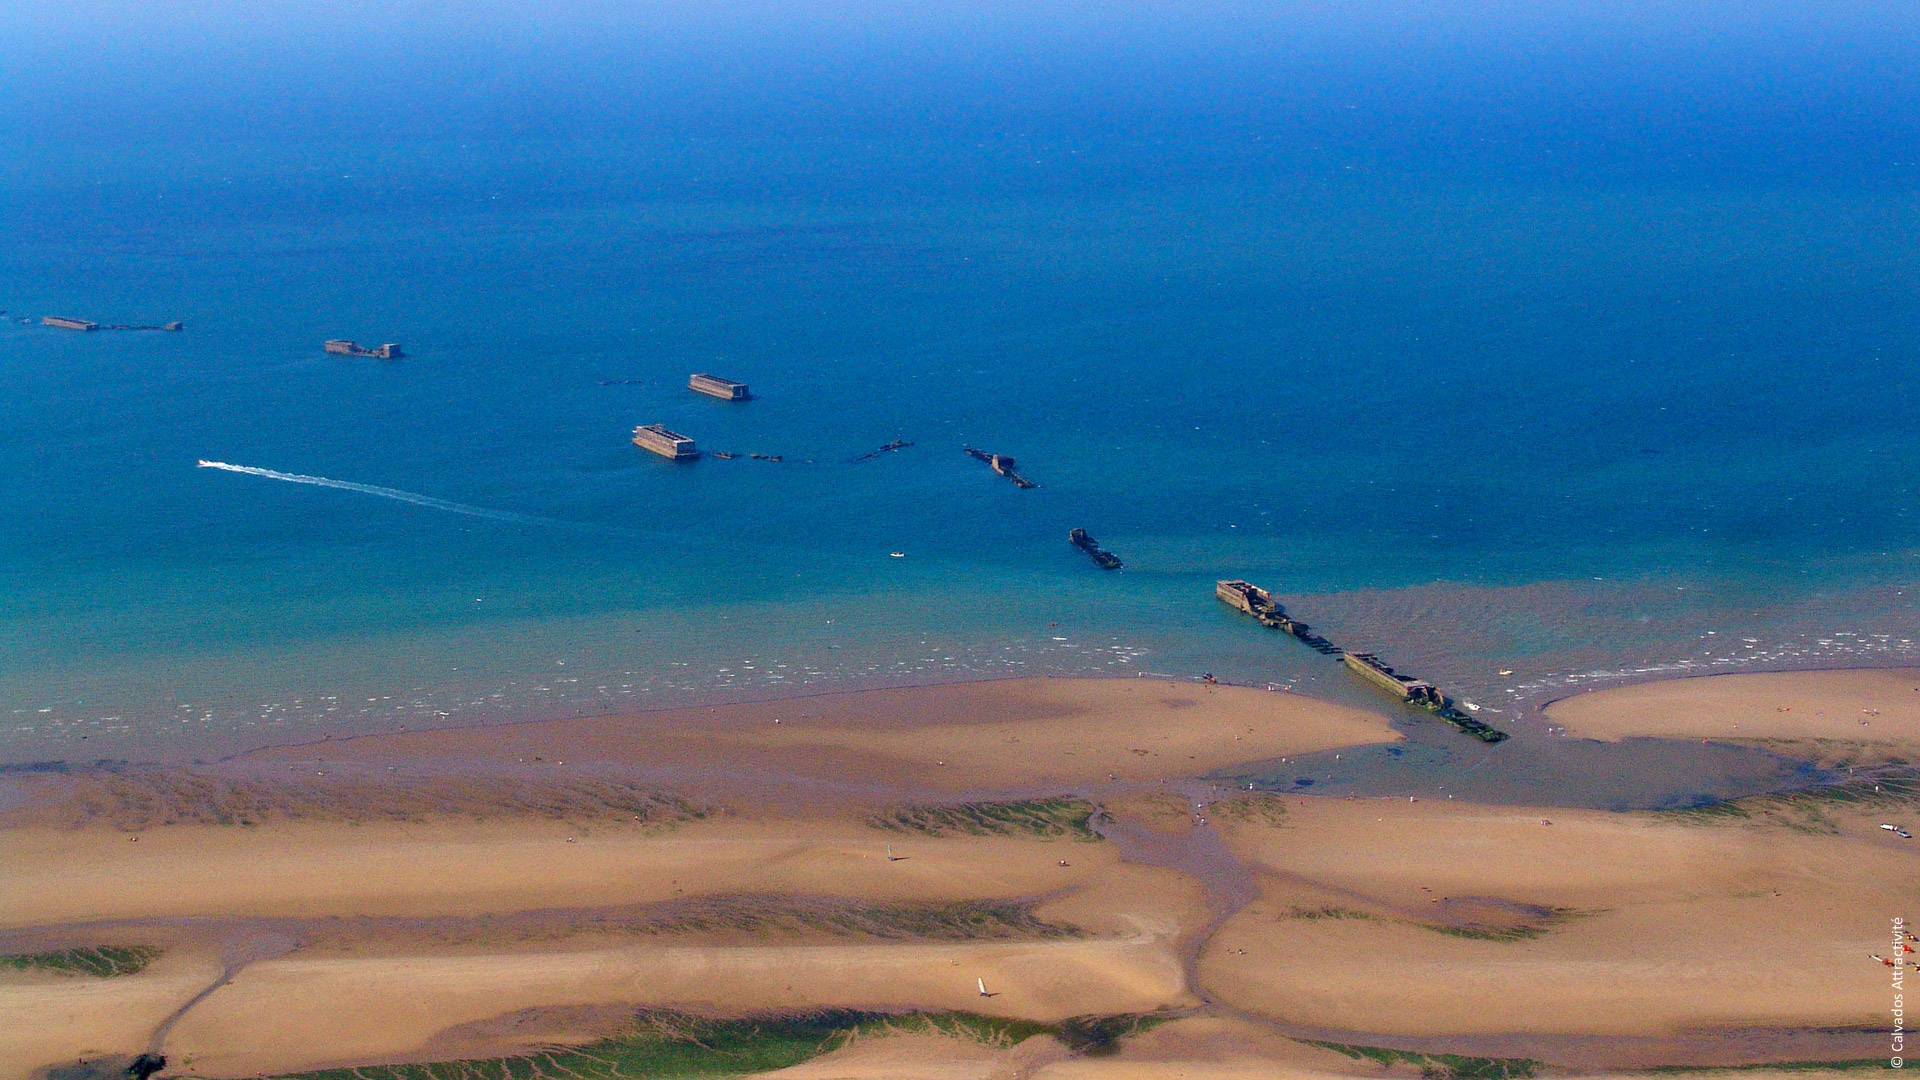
column 668, row 444
column 897, row 444
column 1104, row 559
column 343, row 347
column 1260, row 604
column 1247, row 597
column 1419, row 693
column 1001, row 464
column 63, row 322
column 729, row 455
column 677, row 447
column 718, row 386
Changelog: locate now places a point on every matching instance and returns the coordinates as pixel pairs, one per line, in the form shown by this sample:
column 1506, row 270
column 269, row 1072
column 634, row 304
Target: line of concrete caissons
column 1249, row 598
column 1242, row 595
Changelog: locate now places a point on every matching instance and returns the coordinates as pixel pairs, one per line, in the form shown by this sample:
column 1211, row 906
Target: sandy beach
column 1014, row 734
column 1859, row 716
column 1445, row 918
column 959, row 539
column 469, row 894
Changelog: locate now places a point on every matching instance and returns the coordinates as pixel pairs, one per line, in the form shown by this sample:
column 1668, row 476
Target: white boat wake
column 396, row 494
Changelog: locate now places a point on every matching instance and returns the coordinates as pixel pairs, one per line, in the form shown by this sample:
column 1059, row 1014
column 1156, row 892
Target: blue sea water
column 1571, row 342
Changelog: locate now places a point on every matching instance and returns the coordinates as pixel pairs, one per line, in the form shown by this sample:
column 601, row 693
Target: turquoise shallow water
column 1624, row 394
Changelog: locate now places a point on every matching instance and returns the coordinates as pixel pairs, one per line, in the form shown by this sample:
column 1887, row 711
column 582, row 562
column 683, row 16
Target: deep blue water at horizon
column 1493, row 355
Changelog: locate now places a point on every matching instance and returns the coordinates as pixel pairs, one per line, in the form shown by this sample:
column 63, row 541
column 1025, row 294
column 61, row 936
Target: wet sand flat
column 59, row 1019
column 882, row 851
column 1021, row 733
column 312, row 870
column 289, row 1014
column 1443, row 918
column 354, row 991
column 1878, row 707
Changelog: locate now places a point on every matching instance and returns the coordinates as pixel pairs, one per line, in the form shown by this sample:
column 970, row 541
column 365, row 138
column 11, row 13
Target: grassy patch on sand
column 103, row 961
column 663, row 1045
column 1048, row 819
column 1438, row 1066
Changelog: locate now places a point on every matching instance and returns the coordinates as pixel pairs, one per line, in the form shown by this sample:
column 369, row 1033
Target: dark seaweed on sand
column 102, row 961
column 1048, row 819
column 1438, row 1066
column 661, row 1044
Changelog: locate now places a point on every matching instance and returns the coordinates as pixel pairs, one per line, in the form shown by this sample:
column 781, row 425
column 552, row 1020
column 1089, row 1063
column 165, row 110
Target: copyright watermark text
column 1897, row 1059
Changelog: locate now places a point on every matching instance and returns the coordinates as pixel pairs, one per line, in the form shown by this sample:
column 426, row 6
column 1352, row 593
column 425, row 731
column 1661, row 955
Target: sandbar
column 1011, row 734
column 1865, row 708
column 1440, row 917
column 472, row 893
